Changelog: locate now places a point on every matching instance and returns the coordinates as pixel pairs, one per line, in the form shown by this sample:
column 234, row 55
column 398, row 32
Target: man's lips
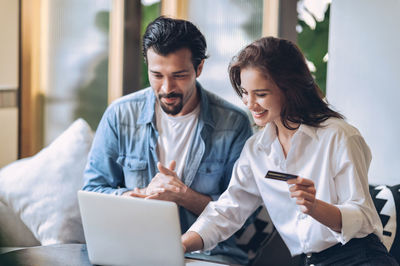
column 170, row 100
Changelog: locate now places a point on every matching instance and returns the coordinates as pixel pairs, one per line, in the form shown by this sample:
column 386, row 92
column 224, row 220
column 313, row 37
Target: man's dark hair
column 167, row 35
column 282, row 62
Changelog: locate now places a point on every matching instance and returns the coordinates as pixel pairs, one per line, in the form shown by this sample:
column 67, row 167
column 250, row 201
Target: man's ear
column 199, row 68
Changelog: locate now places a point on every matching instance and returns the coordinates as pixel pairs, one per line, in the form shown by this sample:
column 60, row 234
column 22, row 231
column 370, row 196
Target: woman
column 326, row 213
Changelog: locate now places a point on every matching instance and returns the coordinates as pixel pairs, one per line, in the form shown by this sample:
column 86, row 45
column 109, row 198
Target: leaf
column 314, row 45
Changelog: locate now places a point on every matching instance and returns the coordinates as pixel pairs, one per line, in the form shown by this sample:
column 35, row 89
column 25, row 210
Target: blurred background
column 65, row 59
column 57, row 52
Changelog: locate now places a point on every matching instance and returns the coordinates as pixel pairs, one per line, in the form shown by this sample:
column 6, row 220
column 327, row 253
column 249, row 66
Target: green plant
column 314, row 44
column 149, row 13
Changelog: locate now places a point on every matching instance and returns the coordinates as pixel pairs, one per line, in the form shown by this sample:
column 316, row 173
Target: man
column 174, row 141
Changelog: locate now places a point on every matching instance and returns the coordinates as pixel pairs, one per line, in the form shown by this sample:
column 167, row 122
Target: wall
column 8, row 81
column 364, row 77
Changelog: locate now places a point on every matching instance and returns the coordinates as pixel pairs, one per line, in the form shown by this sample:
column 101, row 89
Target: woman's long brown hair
column 282, row 62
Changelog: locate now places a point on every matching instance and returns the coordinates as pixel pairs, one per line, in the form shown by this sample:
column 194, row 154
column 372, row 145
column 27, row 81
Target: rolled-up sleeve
column 359, row 217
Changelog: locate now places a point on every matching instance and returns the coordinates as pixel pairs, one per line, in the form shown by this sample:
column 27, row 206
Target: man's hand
column 167, row 186
column 304, row 191
column 164, row 186
column 166, row 182
column 137, row 192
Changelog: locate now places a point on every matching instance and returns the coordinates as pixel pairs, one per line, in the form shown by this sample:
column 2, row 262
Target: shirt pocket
column 135, row 171
column 209, row 177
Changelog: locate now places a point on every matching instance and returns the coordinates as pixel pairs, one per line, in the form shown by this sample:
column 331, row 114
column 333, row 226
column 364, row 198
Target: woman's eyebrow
column 256, row 90
column 261, row 90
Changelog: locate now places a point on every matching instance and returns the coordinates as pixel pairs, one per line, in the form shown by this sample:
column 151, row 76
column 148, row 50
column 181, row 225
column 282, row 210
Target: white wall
column 8, row 79
column 9, row 44
column 8, row 135
column 364, row 77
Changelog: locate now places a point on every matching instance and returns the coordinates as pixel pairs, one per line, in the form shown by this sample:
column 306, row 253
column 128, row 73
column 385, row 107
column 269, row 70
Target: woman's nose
column 249, row 101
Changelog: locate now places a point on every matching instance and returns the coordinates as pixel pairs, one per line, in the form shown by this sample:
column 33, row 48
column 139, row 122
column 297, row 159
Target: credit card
column 279, row 176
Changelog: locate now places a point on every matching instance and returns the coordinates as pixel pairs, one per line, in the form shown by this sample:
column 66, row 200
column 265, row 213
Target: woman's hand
column 303, row 190
column 191, row 241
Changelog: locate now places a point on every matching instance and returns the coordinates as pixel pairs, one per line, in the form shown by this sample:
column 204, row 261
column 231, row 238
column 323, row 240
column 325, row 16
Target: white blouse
column 334, row 156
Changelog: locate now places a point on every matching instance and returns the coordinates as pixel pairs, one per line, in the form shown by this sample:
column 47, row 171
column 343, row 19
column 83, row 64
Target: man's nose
column 167, row 85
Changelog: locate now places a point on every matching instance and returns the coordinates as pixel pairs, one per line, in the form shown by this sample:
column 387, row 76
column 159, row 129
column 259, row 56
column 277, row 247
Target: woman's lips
column 259, row 114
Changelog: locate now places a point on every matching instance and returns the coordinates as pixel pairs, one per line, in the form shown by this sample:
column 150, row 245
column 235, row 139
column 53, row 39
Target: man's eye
column 180, row 76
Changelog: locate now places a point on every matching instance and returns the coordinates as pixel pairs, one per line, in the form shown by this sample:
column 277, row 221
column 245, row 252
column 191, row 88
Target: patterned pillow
column 256, row 235
column 387, row 203
column 263, row 243
column 251, row 237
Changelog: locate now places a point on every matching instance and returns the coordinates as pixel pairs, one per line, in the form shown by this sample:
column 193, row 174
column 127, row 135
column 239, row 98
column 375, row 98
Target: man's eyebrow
column 180, row 71
column 176, row 72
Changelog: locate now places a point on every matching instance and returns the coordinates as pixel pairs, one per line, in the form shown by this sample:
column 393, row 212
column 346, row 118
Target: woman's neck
column 285, row 135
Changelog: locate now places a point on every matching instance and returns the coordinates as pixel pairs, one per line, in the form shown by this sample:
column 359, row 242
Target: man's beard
column 171, row 109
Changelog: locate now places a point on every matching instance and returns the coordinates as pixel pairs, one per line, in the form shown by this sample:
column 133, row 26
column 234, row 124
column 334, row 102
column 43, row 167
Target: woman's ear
column 199, row 68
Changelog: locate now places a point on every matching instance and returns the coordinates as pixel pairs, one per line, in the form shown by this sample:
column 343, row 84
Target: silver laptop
column 132, row 231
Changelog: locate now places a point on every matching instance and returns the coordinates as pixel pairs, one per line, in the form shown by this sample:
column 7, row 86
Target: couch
column 38, row 203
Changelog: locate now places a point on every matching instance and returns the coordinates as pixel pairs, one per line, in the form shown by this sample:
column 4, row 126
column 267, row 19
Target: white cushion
column 42, row 189
column 14, row 232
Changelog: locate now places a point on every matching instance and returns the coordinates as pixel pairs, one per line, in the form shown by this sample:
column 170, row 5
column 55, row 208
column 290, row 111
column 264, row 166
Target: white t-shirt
column 175, row 137
column 334, row 156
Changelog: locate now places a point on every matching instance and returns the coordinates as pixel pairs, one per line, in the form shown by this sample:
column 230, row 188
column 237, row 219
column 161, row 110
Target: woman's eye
column 261, row 95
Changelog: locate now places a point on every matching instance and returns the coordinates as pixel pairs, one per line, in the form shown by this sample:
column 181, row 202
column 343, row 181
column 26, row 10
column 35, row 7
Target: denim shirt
column 123, row 154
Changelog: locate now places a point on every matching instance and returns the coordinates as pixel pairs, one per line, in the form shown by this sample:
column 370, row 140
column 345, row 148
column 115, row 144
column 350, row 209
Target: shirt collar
column 269, row 133
column 148, row 115
column 205, row 113
column 308, row 130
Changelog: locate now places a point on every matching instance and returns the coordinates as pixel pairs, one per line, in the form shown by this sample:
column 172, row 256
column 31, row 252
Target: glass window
column 74, row 62
column 228, row 26
column 150, row 11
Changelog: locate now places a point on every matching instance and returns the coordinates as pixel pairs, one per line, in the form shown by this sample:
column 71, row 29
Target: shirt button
column 302, row 216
